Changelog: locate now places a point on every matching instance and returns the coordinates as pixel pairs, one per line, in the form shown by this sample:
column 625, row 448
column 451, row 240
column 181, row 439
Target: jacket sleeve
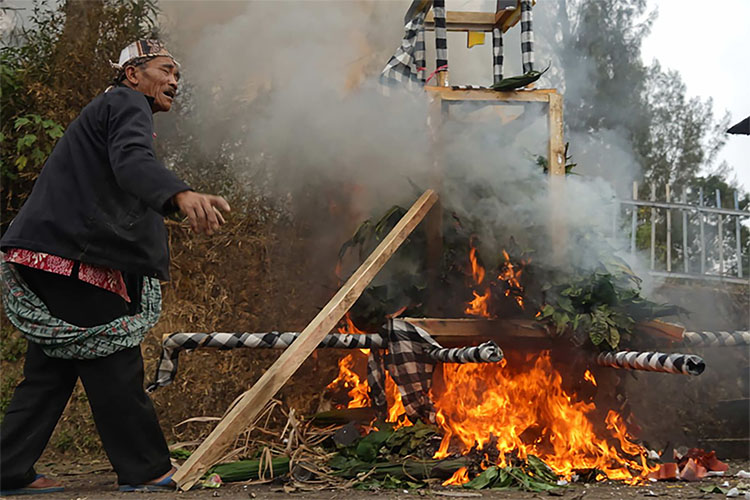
column 131, row 152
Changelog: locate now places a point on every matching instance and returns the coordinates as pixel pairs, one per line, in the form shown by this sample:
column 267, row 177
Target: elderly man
column 80, row 273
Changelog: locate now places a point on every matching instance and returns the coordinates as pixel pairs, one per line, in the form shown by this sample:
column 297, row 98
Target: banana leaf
column 516, row 82
column 245, row 470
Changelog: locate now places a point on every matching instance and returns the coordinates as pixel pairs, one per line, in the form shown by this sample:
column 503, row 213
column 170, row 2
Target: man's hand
column 202, row 210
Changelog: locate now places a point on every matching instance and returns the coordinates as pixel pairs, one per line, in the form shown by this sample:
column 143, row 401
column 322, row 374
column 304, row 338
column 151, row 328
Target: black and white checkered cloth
column 407, row 352
column 407, row 65
column 686, row 364
column 527, row 37
column 716, row 339
column 410, row 366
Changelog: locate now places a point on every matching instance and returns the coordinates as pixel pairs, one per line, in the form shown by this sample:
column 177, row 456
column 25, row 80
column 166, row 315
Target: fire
column 480, row 305
column 511, row 276
column 461, row 476
column 590, row 377
column 528, row 412
column 477, row 271
column 358, row 389
column 396, row 410
column 509, row 273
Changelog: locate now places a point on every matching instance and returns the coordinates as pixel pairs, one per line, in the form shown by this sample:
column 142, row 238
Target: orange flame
column 348, row 379
column 477, row 271
column 590, row 377
column 480, row 305
column 527, row 411
column 511, row 275
column 461, row 476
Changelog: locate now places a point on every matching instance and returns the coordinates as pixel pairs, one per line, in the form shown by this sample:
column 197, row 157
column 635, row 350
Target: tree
column 49, row 70
column 607, row 87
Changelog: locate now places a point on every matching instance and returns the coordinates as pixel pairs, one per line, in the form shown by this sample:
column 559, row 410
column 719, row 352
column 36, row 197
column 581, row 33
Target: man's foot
column 161, row 478
column 38, row 486
column 43, row 482
column 161, row 483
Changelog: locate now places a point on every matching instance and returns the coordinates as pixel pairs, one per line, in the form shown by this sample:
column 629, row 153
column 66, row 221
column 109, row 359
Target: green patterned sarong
column 59, row 339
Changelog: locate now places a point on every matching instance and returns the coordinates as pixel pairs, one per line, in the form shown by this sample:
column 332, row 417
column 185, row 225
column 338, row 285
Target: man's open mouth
column 170, row 93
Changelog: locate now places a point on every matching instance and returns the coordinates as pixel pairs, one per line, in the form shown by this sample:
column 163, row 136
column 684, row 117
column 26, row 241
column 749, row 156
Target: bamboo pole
column 252, row 402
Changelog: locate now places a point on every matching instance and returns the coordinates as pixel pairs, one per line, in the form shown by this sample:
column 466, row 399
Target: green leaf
column 547, row 311
column 20, row 122
column 25, row 142
column 713, row 488
column 366, row 451
column 55, row 132
column 484, row 479
column 21, row 162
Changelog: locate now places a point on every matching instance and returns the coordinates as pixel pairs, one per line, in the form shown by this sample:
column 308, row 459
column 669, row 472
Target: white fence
column 696, row 239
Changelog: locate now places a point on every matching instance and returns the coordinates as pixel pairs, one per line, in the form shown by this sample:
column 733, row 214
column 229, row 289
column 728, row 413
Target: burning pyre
column 515, row 409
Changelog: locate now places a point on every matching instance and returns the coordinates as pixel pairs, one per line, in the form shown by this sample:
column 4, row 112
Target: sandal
column 165, row 484
column 29, row 490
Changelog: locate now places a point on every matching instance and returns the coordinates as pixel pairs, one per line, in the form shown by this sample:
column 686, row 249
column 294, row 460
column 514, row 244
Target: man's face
column 157, row 78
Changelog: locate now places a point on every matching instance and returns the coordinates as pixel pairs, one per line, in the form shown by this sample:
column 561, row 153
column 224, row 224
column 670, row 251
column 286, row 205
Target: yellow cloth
column 475, row 38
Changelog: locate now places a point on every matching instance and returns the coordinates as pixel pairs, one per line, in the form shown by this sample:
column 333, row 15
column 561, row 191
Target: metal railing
column 711, row 246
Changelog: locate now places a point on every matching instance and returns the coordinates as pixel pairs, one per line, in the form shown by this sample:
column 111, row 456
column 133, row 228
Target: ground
column 94, row 481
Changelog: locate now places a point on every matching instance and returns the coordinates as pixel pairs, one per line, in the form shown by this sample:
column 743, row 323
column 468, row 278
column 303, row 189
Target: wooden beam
column 449, row 94
column 463, row 21
column 660, row 329
column 495, row 329
column 556, row 155
column 253, row 401
column 556, row 169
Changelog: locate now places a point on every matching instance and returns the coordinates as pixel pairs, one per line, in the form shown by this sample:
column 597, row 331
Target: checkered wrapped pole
column 487, row 352
column 173, row 344
column 497, row 55
column 686, row 364
column 527, row 37
column 166, row 369
column 441, row 36
column 716, row 339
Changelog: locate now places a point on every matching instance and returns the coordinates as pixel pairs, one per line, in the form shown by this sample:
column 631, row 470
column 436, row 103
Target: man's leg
column 125, row 416
column 32, row 414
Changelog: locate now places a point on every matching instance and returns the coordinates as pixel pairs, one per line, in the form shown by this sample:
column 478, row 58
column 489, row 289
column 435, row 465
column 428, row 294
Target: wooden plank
column 495, row 329
column 656, row 328
column 253, row 401
column 434, row 220
column 463, row 21
column 556, row 141
column 536, row 95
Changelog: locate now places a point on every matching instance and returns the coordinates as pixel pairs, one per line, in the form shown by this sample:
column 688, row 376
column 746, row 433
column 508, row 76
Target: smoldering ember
column 475, row 248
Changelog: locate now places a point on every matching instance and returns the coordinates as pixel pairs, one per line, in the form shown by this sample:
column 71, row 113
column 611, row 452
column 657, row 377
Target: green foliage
column 516, row 82
column 388, row 444
column 41, row 87
column 245, row 470
column 531, row 474
column 180, row 453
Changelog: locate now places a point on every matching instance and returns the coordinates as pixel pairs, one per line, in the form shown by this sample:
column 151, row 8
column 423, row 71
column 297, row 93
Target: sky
column 708, row 43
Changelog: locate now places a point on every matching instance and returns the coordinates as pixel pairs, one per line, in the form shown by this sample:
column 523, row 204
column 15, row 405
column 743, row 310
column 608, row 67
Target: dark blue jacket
column 102, row 194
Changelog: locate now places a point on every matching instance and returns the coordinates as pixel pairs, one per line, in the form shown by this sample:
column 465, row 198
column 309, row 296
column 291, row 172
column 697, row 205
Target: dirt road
column 92, row 482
